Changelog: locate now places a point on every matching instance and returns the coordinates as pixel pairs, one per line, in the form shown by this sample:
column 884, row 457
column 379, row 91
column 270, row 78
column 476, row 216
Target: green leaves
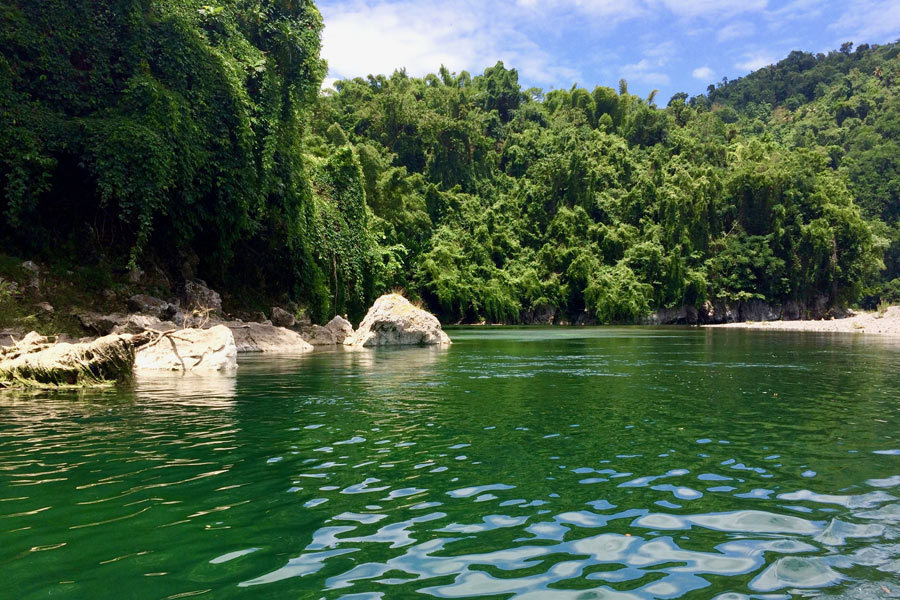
column 173, row 128
column 210, row 11
column 163, row 128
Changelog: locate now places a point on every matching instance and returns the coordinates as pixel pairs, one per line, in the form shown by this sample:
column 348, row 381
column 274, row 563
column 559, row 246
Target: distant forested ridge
column 501, row 201
column 193, row 140
column 843, row 105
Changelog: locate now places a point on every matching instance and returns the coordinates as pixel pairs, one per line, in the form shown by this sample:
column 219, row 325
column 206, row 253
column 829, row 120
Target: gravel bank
column 887, row 323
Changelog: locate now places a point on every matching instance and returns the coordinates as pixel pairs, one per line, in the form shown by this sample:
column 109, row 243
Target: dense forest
column 195, row 141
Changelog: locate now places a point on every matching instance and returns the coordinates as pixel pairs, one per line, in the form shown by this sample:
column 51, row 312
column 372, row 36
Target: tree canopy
column 194, row 139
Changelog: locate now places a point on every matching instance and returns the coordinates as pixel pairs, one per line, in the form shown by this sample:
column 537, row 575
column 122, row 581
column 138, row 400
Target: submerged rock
column 188, row 350
column 393, row 320
column 259, row 337
column 37, row 362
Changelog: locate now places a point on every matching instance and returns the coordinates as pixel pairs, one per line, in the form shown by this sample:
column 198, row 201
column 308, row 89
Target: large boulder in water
column 188, row 350
column 340, row 328
column 393, row 320
column 37, row 362
column 259, row 337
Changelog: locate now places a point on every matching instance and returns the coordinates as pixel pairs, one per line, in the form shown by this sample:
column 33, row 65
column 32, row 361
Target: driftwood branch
column 175, row 350
column 150, row 337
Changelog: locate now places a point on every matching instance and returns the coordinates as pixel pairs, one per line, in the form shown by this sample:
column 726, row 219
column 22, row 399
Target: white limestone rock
column 260, row 337
column 393, row 321
column 189, row 350
column 334, row 333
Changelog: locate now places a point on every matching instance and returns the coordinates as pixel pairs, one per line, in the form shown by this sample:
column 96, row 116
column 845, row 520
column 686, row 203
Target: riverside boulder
column 198, row 296
column 188, row 350
column 282, row 318
column 152, row 306
column 394, row 320
column 333, row 333
column 35, row 361
column 259, row 337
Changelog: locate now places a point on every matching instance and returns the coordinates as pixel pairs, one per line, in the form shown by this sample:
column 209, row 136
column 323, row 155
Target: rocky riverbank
column 878, row 323
column 137, row 343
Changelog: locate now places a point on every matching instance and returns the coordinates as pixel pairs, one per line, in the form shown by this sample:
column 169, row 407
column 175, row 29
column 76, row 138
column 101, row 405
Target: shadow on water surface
column 518, row 463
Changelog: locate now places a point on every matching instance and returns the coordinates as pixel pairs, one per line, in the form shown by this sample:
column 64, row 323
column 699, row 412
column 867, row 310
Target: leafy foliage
column 194, row 136
column 594, row 203
column 161, row 130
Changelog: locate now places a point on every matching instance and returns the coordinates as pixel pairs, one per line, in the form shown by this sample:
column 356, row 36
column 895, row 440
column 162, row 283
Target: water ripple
column 629, row 464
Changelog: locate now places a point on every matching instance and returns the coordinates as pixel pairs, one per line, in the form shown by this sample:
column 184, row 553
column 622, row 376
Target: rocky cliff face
column 714, row 313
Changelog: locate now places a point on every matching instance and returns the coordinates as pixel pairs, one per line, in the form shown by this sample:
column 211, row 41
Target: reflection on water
column 211, row 390
column 519, row 463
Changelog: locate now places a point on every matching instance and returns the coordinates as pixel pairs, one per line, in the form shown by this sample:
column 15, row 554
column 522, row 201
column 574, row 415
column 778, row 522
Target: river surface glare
column 558, row 464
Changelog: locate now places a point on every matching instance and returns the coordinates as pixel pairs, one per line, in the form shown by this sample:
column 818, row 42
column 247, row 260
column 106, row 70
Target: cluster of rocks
column 392, row 320
column 160, row 336
column 198, row 306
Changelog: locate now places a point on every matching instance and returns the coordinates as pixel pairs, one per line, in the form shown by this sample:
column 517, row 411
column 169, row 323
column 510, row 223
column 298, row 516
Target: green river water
column 567, row 463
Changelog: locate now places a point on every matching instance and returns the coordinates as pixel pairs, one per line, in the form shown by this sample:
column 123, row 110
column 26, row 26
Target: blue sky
column 669, row 45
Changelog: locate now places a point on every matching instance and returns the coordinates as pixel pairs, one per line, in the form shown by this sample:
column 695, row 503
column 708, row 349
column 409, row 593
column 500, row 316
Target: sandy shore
column 887, row 323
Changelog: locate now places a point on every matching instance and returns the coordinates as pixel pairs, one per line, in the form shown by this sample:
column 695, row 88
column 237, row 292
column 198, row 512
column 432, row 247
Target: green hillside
column 192, row 141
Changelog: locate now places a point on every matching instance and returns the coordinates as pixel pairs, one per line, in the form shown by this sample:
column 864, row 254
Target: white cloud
column 870, row 21
column 713, row 9
column 661, row 51
column 548, row 41
column 703, row 73
column 650, row 69
column 610, row 10
column 796, row 9
column 370, row 37
column 645, row 71
column 733, row 31
column 620, row 10
column 364, row 37
column 754, row 62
